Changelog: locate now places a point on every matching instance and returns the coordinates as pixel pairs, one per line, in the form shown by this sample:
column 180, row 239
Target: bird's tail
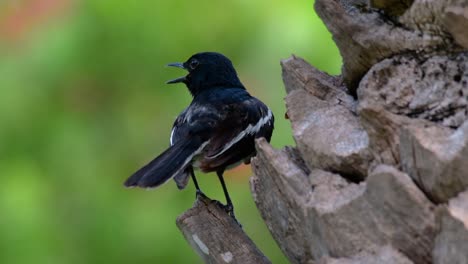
column 167, row 165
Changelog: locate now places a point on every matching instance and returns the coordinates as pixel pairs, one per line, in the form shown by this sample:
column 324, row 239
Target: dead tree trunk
column 216, row 236
column 379, row 173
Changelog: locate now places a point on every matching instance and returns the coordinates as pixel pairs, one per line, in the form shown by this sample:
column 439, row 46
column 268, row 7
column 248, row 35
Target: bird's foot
column 230, row 211
column 199, row 193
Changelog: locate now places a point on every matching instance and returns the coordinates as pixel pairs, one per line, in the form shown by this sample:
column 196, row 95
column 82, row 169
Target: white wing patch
column 249, row 130
column 172, row 136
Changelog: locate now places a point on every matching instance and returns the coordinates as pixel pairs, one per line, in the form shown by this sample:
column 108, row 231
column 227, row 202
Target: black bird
column 215, row 132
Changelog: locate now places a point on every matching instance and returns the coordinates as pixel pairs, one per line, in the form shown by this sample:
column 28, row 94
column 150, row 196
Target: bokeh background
column 83, row 104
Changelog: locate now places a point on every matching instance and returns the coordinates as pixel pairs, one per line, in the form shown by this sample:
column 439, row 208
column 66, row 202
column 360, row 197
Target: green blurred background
column 83, row 104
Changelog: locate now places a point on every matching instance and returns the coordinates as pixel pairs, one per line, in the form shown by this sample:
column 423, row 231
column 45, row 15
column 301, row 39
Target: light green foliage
column 83, row 104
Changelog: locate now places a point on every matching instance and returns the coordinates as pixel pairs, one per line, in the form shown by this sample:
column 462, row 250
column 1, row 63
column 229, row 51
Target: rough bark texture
column 216, row 236
column 382, row 255
column 451, row 245
column 381, row 149
column 434, row 88
column 334, row 217
column 436, row 158
column 340, row 143
column 365, row 35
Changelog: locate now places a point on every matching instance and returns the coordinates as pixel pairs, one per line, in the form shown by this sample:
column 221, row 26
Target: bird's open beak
column 180, row 79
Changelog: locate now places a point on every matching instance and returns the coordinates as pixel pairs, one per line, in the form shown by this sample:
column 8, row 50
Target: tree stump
column 381, row 149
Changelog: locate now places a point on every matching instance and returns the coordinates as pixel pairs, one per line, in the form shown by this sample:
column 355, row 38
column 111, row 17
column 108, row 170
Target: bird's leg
column 195, row 182
column 229, row 206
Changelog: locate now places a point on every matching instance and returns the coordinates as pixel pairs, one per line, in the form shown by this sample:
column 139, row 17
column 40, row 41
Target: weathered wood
column 319, row 105
column 279, row 188
column 434, row 88
column 328, row 216
column 382, row 255
column 436, row 158
column 392, row 7
column 383, row 129
column 300, row 75
column 456, row 22
column 216, row 236
column 365, row 36
column 451, row 244
column 339, row 143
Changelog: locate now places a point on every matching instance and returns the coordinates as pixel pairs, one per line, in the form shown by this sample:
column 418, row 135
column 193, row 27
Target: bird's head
column 207, row 70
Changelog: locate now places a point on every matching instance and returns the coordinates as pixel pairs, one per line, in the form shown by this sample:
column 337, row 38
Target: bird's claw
column 199, row 193
column 230, row 211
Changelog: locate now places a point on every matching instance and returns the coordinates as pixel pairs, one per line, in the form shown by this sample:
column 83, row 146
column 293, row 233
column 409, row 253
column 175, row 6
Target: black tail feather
column 167, row 165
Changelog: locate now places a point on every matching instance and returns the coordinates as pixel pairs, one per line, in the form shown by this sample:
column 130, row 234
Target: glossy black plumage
column 216, row 131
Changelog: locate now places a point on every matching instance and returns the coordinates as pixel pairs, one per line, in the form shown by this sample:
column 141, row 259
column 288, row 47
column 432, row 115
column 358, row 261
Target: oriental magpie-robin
column 215, row 132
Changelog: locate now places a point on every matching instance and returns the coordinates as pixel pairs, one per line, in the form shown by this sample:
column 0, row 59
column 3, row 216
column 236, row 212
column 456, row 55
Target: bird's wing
column 240, row 120
column 196, row 120
column 178, row 130
column 224, row 120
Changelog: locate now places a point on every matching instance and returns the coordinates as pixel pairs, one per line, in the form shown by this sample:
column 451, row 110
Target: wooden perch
column 216, row 236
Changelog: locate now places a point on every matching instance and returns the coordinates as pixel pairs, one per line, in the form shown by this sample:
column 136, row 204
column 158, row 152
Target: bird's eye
column 193, row 64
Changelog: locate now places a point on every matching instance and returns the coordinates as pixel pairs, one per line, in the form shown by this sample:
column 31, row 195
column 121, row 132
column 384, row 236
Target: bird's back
column 232, row 119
